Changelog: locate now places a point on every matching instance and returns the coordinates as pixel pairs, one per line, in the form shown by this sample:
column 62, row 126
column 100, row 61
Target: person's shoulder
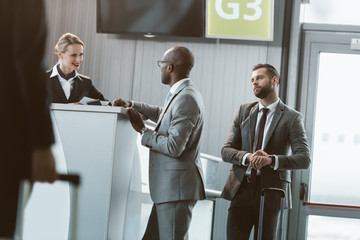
column 189, row 89
column 289, row 110
column 245, row 109
column 286, row 107
column 49, row 71
column 84, row 77
column 248, row 105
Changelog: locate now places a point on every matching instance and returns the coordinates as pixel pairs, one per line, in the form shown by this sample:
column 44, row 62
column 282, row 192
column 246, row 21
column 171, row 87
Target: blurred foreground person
column 25, row 124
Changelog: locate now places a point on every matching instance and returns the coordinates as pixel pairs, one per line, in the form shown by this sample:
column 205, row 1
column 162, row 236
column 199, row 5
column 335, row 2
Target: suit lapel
column 253, row 117
column 58, row 89
column 276, row 118
column 178, row 90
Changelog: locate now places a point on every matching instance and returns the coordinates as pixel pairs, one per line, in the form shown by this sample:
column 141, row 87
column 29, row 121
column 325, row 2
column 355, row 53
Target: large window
column 336, row 148
column 332, row 12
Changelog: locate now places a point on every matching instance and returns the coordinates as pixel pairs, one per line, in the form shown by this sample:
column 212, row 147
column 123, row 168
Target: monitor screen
column 157, row 17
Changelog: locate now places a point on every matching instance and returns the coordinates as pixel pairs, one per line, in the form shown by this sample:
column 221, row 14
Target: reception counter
column 98, row 143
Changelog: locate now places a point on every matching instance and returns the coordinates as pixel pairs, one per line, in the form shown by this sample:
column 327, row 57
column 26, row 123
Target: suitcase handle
column 261, row 211
column 73, row 178
column 264, row 190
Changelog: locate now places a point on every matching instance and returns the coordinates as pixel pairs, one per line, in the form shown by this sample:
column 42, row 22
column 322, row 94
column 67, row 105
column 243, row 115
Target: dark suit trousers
column 244, row 214
column 9, row 190
column 169, row 221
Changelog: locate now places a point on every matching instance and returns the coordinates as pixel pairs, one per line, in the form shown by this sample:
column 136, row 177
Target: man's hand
column 135, row 119
column 259, row 159
column 122, row 103
column 43, row 165
column 260, row 153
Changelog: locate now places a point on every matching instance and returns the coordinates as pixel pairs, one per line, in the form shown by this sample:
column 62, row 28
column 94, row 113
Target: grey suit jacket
column 286, row 138
column 175, row 171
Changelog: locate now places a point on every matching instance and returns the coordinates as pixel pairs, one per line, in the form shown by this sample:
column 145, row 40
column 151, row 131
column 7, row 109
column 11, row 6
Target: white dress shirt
column 269, row 117
column 177, row 84
column 67, row 85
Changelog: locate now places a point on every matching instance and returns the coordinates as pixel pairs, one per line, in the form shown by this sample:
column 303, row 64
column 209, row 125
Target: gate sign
column 240, row 19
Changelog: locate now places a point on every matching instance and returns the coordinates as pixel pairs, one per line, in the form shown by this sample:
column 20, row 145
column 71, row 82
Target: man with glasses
column 175, row 172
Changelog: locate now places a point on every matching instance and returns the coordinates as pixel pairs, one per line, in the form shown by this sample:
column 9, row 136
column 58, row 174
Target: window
column 336, row 148
column 329, row 228
column 332, row 12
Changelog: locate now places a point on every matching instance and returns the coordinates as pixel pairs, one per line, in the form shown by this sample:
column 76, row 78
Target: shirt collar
column 177, row 84
column 271, row 107
column 56, row 73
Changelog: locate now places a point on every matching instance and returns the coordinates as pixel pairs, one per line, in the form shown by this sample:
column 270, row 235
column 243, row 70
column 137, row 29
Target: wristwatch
column 272, row 156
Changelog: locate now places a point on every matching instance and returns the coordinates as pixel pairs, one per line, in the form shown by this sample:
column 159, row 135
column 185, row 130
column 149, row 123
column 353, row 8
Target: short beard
column 264, row 92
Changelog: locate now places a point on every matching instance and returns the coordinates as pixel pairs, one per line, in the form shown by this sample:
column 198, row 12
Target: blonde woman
column 65, row 84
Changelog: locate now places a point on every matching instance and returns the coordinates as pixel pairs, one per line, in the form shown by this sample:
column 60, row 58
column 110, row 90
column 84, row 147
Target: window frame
column 316, row 38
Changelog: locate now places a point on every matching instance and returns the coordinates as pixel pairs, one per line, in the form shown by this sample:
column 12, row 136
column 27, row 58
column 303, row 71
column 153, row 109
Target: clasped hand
column 258, row 159
column 135, row 120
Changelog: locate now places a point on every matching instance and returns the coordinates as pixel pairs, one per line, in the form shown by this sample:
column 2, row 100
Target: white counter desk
column 98, row 143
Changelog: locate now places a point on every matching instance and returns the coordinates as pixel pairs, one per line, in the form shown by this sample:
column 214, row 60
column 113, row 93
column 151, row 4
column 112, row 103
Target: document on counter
column 92, row 101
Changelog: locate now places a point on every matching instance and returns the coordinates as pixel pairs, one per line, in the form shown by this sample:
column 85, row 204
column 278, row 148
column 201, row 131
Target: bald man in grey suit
column 283, row 133
column 175, row 172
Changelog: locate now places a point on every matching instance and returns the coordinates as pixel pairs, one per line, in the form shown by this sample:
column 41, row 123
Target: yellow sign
column 240, row 19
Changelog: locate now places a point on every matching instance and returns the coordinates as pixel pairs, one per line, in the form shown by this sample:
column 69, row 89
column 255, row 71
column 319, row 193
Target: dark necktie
column 259, row 142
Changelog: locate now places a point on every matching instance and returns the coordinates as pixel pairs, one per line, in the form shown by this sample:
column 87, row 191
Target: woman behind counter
column 65, row 84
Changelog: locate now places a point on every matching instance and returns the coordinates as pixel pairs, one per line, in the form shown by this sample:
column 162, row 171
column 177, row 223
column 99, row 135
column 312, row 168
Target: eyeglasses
column 159, row 62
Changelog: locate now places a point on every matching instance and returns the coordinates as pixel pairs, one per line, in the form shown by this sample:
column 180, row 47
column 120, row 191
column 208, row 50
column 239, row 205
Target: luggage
column 24, row 195
column 261, row 213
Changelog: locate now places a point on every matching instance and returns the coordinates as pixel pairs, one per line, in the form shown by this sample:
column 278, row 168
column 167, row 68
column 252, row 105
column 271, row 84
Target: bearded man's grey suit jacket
column 285, row 138
column 175, row 171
